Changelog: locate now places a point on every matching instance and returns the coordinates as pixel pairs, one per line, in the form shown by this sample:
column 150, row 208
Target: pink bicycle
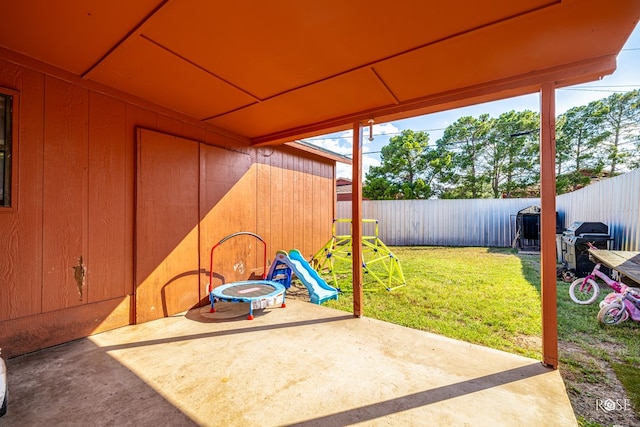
column 620, row 307
column 586, row 290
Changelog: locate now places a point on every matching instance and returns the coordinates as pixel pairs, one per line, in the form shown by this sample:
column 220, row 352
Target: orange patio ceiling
column 274, row 71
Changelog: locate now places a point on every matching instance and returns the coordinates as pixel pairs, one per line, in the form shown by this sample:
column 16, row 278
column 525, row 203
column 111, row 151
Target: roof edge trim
column 574, row 73
column 319, row 151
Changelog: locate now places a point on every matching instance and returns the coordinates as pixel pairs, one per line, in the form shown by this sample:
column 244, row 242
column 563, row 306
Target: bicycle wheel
column 614, row 313
column 586, row 294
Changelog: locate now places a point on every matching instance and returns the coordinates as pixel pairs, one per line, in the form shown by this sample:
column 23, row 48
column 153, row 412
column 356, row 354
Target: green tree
column 406, row 170
column 563, row 146
column 511, row 152
column 620, row 114
column 579, row 135
column 464, row 141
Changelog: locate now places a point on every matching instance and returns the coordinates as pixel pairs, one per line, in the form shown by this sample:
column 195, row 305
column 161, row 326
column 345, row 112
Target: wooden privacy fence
column 491, row 222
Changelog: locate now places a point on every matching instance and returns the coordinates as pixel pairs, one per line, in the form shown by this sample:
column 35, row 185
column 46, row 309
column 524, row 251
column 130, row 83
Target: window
column 6, row 102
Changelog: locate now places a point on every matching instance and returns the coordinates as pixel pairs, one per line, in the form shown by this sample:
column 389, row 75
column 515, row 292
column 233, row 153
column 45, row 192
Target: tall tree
column 465, row 141
column 620, row 115
column 634, row 163
column 511, row 152
column 405, row 171
column 580, row 134
column 563, row 146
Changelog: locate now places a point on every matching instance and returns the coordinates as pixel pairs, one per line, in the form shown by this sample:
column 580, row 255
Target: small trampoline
column 257, row 293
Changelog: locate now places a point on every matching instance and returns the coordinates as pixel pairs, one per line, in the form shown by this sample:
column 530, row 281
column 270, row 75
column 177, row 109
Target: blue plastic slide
column 319, row 291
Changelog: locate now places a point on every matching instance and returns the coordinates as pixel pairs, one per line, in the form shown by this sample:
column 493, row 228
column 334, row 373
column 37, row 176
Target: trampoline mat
column 248, row 290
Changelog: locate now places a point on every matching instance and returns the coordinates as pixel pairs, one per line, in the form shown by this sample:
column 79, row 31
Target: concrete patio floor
column 304, row 365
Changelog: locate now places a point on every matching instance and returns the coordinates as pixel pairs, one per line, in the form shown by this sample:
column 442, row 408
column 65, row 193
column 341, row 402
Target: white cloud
column 382, row 129
column 332, row 144
column 342, row 143
column 345, row 171
column 367, row 162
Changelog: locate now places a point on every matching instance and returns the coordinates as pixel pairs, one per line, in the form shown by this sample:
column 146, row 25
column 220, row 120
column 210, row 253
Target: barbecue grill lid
column 583, row 227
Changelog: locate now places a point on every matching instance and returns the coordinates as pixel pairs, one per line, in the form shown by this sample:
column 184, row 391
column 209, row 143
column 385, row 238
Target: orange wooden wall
column 76, row 170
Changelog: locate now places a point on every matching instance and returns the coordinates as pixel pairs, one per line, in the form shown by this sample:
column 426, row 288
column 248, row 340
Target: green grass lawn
column 484, row 296
column 491, row 297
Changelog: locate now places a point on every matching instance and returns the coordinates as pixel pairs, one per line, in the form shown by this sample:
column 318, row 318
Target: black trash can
column 575, row 245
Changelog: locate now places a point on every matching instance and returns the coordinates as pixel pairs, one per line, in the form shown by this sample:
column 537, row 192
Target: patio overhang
column 275, row 72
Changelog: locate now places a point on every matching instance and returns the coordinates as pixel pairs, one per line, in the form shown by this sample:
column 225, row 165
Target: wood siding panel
column 328, row 197
column 275, row 203
column 288, row 213
column 297, row 197
column 169, row 125
column 65, row 194
column 300, row 191
column 44, row 330
column 193, row 133
column 166, row 225
column 107, row 264
column 21, row 226
column 263, row 195
column 76, row 178
column 308, row 204
column 136, row 118
column 313, row 212
column 227, row 206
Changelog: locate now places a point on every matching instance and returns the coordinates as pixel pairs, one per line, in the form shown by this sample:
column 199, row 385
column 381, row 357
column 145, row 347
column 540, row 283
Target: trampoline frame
column 260, row 301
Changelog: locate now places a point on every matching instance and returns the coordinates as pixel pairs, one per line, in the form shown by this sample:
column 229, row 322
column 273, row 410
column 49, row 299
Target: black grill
column 575, row 245
column 580, row 227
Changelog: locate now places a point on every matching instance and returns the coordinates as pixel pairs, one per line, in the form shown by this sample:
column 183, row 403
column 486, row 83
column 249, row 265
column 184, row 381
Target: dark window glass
column 5, row 150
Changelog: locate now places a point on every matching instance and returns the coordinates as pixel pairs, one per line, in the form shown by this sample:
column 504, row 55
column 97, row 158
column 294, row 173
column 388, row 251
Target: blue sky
column 625, row 78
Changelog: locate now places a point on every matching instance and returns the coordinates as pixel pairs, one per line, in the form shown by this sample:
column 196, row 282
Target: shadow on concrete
column 424, row 398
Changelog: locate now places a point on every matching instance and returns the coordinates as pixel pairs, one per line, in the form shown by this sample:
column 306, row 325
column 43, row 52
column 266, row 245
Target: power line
column 374, row 135
column 348, row 137
column 602, row 86
column 584, row 89
column 590, row 90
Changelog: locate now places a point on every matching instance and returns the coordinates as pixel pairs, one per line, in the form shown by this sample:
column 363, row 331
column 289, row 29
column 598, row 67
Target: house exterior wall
column 70, row 242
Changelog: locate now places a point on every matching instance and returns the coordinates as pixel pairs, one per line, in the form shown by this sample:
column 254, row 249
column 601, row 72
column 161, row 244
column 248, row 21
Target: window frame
column 13, row 149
